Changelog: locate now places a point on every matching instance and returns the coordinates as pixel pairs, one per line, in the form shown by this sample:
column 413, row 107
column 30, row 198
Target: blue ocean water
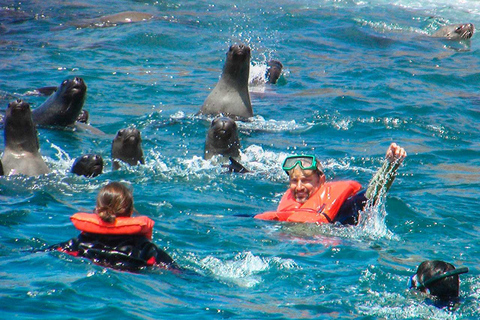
column 358, row 75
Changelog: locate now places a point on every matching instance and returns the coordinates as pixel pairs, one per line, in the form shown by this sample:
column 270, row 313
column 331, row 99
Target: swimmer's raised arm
column 386, row 174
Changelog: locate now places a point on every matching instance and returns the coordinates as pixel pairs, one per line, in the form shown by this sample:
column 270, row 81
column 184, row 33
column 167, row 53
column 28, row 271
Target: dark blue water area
column 357, row 76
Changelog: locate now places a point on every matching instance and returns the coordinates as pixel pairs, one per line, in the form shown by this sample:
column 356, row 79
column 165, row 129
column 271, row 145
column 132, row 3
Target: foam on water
column 244, row 268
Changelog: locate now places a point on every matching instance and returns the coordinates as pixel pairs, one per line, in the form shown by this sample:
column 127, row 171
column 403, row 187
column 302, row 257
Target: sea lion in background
column 63, row 107
column 114, row 19
column 127, row 147
column 230, row 96
column 274, row 71
column 222, row 138
column 89, row 165
column 455, row 32
column 21, row 155
column 83, row 116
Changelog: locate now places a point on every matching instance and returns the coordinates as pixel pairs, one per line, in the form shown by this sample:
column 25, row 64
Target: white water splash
column 244, row 269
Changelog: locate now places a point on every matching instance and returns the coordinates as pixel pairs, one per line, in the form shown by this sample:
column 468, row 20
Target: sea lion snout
column 131, row 135
column 239, row 50
column 18, row 105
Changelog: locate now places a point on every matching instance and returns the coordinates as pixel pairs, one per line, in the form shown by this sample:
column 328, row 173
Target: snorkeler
column 311, row 199
column 439, row 279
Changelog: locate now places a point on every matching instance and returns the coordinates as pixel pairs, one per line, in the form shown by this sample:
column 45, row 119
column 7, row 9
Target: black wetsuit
column 123, row 252
column 348, row 212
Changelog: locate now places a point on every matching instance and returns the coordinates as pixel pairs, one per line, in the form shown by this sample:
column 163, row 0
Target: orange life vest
column 321, row 207
column 92, row 223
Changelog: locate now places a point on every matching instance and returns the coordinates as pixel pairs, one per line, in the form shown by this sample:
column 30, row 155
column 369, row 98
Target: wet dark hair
column 444, row 289
column 114, row 200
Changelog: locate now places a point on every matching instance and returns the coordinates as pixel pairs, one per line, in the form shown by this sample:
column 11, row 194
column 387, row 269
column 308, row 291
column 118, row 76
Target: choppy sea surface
column 357, row 76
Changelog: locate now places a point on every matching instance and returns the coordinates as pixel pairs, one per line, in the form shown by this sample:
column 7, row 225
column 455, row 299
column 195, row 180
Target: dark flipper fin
column 46, row 91
column 235, row 166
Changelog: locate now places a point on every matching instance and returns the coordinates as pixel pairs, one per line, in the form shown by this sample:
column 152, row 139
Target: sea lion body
column 114, row 19
column 127, row 147
column 455, row 31
column 64, row 106
column 21, row 154
column 230, row 96
column 222, row 138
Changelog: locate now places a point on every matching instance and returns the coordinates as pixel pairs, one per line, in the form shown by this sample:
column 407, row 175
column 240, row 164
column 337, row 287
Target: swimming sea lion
column 89, row 165
column 21, row 155
column 230, row 96
column 127, row 147
column 274, row 70
column 114, row 19
column 222, row 138
column 83, row 116
column 63, row 107
column 455, row 32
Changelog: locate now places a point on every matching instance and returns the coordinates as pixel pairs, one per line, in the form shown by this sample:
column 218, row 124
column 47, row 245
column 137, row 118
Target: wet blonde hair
column 114, row 200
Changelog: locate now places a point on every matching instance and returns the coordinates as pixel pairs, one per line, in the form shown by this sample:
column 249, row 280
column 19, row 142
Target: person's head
column 306, row 175
column 438, row 278
column 114, row 200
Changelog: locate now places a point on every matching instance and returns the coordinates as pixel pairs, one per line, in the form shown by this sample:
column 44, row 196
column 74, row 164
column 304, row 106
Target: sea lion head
column 127, row 147
column 237, row 64
column 456, row 31
column 83, row 116
column 274, row 70
column 73, row 92
column 222, row 138
column 89, row 165
column 465, row 31
column 19, row 129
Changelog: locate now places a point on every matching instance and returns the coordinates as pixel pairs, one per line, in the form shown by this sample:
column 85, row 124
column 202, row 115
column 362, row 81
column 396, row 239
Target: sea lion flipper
column 86, row 126
column 235, row 166
column 46, row 91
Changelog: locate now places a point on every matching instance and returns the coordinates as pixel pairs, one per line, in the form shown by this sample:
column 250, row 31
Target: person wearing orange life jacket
column 311, row 199
column 111, row 237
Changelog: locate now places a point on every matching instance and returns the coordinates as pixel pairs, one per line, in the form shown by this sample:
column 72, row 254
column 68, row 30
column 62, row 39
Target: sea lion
column 222, row 138
column 21, row 155
column 114, row 19
column 83, row 116
column 455, row 31
column 127, row 147
column 63, row 107
column 230, row 96
column 274, row 71
column 89, row 165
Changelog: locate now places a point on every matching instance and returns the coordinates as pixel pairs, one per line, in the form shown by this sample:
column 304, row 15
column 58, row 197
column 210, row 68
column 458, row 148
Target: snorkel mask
column 415, row 283
column 305, row 162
